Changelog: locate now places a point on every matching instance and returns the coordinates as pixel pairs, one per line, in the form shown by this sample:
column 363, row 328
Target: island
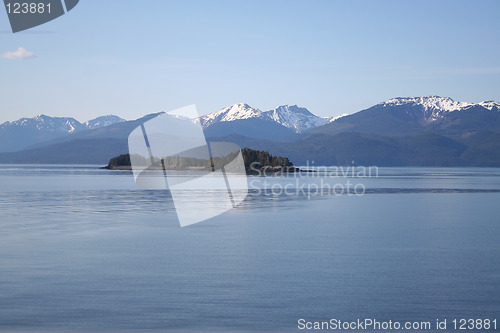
column 256, row 162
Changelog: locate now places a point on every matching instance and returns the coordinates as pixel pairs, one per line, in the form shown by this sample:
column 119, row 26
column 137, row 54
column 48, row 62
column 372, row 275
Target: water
column 84, row 249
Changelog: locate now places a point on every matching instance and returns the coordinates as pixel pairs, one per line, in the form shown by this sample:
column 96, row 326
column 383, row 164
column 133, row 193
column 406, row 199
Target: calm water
column 84, row 249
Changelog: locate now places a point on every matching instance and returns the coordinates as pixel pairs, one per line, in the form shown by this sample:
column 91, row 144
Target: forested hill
column 254, row 160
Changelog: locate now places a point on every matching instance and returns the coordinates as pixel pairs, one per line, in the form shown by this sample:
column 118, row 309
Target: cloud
column 21, row 53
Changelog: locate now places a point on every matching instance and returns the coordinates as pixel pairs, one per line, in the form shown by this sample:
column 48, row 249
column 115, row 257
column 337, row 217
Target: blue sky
column 131, row 58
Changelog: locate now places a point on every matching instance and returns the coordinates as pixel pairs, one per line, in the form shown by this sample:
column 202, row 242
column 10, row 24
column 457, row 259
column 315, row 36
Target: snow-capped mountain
column 24, row 132
column 45, row 123
column 490, row 105
column 335, row 118
column 103, row 121
column 242, row 119
column 428, row 103
column 231, row 113
column 425, row 110
column 296, row 118
column 62, row 125
column 409, row 131
column 293, row 117
column 434, row 107
column 406, row 115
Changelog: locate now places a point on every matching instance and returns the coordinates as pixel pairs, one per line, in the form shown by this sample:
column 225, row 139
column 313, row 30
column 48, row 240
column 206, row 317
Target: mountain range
column 283, row 121
column 403, row 131
column 25, row 132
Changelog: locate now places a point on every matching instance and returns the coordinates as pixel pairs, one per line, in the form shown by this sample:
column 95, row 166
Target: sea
column 84, row 249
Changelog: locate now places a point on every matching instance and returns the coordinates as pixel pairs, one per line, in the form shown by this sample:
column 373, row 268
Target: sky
column 131, row 58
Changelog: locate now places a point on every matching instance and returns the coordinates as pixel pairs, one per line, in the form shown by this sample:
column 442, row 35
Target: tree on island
column 253, row 160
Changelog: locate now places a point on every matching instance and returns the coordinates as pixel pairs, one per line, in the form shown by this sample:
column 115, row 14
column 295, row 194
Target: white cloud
column 21, row 53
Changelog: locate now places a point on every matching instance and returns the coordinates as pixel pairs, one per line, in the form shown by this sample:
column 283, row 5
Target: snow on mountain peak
column 291, row 116
column 427, row 108
column 432, row 103
column 434, row 107
column 61, row 125
column 332, row 119
column 46, row 123
column 39, row 117
column 294, row 117
column 233, row 112
column 103, row 121
column 490, row 105
column 439, row 104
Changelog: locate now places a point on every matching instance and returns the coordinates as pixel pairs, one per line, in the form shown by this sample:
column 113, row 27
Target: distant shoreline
column 248, row 171
column 255, row 163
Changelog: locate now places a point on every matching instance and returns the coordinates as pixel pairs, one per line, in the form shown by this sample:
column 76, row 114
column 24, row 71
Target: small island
column 256, row 163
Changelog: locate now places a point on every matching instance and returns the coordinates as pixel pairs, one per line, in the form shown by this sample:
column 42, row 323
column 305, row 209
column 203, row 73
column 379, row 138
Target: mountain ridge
column 403, row 131
column 403, row 115
column 24, row 132
column 296, row 118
